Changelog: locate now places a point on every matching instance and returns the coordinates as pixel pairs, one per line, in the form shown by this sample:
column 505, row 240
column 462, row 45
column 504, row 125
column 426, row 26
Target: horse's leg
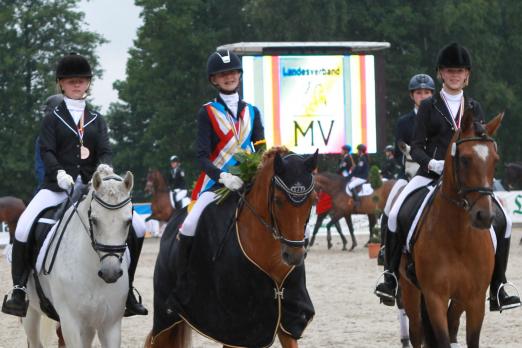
column 12, row 228
column 74, row 334
column 286, row 340
column 110, row 336
column 349, row 223
column 338, row 228
column 179, row 336
column 437, row 311
column 455, row 310
column 474, row 318
column 318, row 224
column 372, row 220
column 31, row 324
column 329, row 239
column 411, row 300
column 403, row 320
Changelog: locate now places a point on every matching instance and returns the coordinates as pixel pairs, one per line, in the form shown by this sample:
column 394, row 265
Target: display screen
column 313, row 102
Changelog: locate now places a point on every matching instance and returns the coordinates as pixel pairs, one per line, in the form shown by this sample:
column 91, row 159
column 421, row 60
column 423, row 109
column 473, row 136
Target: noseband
column 110, row 250
column 297, row 194
column 463, row 191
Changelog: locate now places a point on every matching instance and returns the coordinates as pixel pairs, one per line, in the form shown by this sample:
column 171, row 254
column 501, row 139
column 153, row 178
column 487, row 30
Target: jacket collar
column 66, row 118
column 441, row 107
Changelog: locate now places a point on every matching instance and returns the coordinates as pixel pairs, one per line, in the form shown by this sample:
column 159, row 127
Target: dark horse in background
column 245, row 281
column 344, row 205
column 160, row 204
column 512, row 179
column 453, row 251
column 10, row 210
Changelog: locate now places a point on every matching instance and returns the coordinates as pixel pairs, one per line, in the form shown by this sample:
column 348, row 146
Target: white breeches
column 416, row 182
column 138, row 223
column 43, row 199
column 191, row 221
column 353, row 183
column 399, row 184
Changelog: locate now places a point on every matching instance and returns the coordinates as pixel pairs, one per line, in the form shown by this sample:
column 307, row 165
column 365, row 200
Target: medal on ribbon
column 84, row 151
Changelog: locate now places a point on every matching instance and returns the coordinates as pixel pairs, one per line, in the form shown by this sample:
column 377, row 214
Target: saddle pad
column 230, row 299
column 366, row 190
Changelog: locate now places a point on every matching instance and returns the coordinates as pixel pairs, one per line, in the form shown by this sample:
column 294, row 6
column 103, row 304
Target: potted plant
column 374, row 244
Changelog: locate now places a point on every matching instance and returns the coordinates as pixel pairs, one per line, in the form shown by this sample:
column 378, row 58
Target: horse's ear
column 279, row 166
column 311, row 162
column 96, row 181
column 467, row 119
column 493, row 125
column 128, row 181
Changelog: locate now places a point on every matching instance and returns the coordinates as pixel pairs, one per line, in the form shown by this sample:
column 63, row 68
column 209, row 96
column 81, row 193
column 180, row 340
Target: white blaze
column 482, row 151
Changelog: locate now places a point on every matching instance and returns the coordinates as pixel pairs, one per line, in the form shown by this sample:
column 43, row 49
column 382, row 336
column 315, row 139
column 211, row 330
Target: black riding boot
column 356, row 198
column 17, row 304
column 182, row 260
column 387, row 289
column 504, row 301
column 134, row 306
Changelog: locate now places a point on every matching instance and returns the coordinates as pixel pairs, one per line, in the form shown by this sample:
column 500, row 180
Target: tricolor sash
column 232, row 138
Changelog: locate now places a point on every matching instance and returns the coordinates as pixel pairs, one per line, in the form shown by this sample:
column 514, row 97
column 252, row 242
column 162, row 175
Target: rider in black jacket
column 437, row 120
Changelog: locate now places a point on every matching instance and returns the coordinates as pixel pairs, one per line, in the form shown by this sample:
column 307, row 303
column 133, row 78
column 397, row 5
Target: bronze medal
column 84, row 152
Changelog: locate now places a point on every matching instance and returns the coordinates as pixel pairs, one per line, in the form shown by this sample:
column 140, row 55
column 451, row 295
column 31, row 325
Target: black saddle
column 226, row 296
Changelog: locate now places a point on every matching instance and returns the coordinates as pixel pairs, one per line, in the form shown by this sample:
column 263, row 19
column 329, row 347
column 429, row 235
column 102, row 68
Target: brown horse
column 270, row 231
column 343, row 204
column 157, row 187
column 453, row 252
column 10, row 210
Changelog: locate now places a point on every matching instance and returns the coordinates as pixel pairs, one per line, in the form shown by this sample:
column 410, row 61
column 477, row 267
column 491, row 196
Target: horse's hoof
column 344, row 247
column 352, row 247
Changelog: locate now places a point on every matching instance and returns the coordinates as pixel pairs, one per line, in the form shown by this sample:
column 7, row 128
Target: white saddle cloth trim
column 399, row 184
column 366, row 190
column 46, row 221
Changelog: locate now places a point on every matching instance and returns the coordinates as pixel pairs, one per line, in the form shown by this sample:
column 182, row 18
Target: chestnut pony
column 270, row 231
column 160, row 191
column 453, row 252
column 10, row 210
column 343, row 205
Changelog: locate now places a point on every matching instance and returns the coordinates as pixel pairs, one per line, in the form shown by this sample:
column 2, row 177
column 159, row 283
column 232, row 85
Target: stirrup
column 514, row 305
column 13, row 311
column 386, row 298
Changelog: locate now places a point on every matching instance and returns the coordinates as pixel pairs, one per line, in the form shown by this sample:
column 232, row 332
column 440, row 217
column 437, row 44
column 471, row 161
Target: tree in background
column 34, row 34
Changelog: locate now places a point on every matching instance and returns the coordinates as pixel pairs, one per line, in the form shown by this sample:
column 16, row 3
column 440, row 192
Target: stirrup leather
column 380, row 294
column 514, row 305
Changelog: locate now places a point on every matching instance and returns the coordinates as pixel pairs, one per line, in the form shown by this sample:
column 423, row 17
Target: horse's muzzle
column 293, row 256
column 110, row 275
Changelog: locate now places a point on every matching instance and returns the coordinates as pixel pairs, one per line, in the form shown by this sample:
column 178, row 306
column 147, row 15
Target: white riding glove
column 230, row 181
column 105, row 169
column 436, row 166
column 65, row 181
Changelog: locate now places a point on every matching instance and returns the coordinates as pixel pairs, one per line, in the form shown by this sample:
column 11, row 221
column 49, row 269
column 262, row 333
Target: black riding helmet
column 454, row 55
column 421, row 81
column 73, row 65
column 221, row 61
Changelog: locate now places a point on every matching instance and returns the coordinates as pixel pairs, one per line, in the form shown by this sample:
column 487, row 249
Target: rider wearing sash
column 226, row 125
column 73, row 144
column 437, row 120
column 359, row 174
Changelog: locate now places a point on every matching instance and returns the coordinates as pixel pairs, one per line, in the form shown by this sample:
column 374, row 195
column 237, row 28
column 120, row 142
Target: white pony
column 88, row 282
column 410, row 166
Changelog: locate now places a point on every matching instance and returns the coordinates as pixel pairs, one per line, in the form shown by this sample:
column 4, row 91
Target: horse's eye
column 129, row 222
column 94, row 221
column 465, row 161
column 278, row 201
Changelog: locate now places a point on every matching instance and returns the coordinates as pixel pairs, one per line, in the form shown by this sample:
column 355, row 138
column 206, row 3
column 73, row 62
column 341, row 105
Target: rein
column 462, row 191
column 297, row 195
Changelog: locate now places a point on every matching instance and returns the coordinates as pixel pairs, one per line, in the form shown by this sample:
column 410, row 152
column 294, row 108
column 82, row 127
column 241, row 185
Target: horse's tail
column 429, row 335
column 178, row 336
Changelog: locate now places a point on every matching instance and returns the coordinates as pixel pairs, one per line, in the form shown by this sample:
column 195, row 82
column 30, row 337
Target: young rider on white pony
column 74, row 144
column 226, row 125
column 437, row 120
column 359, row 174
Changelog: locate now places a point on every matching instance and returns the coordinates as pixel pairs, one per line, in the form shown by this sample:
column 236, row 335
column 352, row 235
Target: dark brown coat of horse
column 343, row 205
column 10, row 210
column 160, row 204
column 269, row 253
column 453, row 253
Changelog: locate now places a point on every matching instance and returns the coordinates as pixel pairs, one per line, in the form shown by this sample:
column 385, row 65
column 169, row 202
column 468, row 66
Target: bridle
column 109, row 250
column 463, row 191
column 297, row 194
